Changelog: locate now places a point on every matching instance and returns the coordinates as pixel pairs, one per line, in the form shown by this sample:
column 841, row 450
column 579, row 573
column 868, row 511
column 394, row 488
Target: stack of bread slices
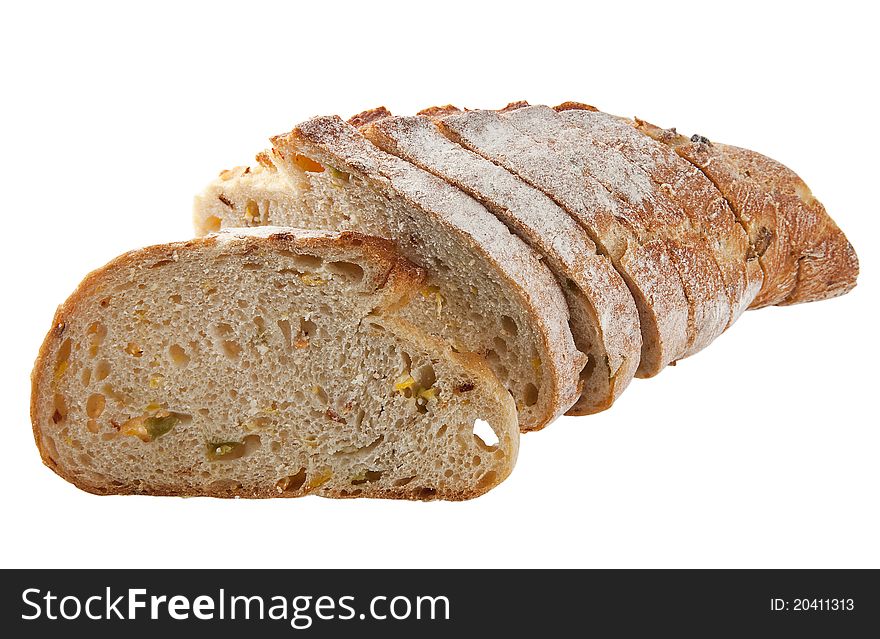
column 378, row 307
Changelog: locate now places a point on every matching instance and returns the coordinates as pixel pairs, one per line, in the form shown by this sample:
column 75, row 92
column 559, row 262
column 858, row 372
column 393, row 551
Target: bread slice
column 486, row 290
column 803, row 254
column 264, row 363
column 645, row 263
column 685, row 188
column 604, row 318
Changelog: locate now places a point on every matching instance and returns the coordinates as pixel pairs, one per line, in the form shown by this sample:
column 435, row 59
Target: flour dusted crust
column 649, row 211
column 803, row 254
column 646, row 266
column 604, row 317
column 685, row 188
column 93, row 382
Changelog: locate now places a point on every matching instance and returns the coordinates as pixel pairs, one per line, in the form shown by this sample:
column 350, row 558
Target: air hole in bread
column 102, row 370
column 366, row 476
column 485, row 435
column 307, row 164
column 403, row 481
column 178, row 355
column 284, row 326
column 86, row 377
column 96, row 334
column 175, row 298
column 530, row 394
column 351, row 272
column 307, row 328
column 509, row 325
column 61, row 360
column 95, row 405
column 231, row 450
column 60, row 405
column 231, row 349
column 134, row 349
column 499, row 344
column 321, row 394
column 212, row 224
column 308, row 262
column 222, row 330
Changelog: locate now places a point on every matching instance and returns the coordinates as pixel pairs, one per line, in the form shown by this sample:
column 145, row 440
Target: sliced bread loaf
column 486, row 290
column 604, row 319
column 264, row 363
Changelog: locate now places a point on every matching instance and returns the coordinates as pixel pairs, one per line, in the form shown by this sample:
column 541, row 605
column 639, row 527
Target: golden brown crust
column 574, row 106
column 513, row 106
column 370, row 115
column 439, row 111
column 803, row 253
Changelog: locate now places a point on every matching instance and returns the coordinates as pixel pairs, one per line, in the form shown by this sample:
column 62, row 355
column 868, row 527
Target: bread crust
column 396, row 277
column 803, row 254
column 369, row 116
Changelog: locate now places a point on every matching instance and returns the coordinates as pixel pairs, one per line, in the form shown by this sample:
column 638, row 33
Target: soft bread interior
column 242, row 365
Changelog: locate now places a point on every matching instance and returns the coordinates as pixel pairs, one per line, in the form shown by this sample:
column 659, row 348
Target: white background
column 761, row 451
